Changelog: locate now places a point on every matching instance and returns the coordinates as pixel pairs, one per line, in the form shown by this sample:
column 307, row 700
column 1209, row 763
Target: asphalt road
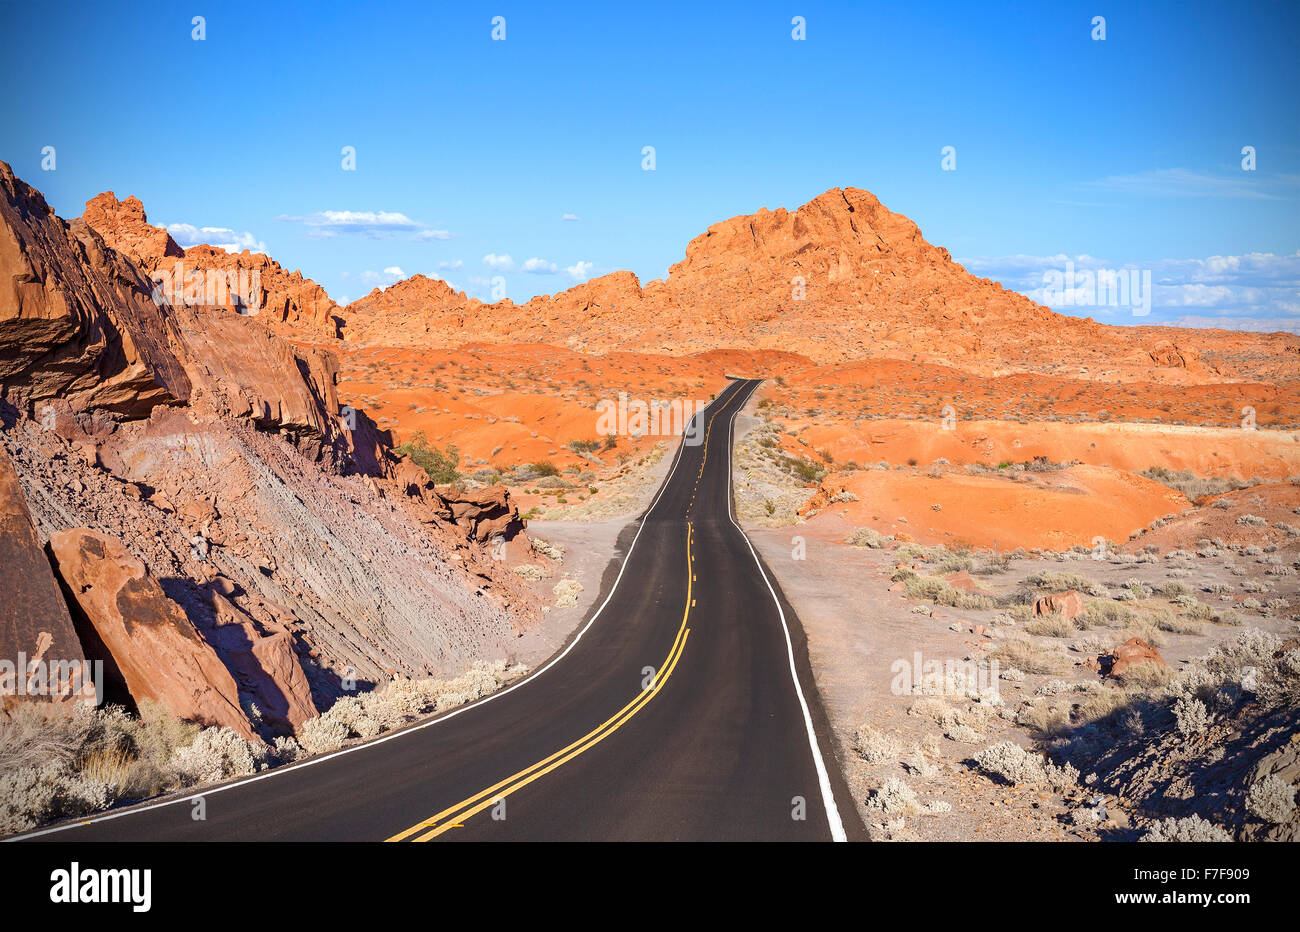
column 683, row 709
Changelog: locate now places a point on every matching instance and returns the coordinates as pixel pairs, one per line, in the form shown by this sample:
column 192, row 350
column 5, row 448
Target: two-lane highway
column 682, row 709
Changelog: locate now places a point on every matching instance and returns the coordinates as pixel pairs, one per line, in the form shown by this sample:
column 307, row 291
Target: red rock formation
column 842, row 278
column 165, row 425
column 34, row 620
column 76, row 319
column 156, row 648
column 265, row 665
column 124, row 226
column 282, row 297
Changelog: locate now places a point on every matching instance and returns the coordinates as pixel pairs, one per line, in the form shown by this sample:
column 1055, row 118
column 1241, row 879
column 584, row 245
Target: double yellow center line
column 455, row 816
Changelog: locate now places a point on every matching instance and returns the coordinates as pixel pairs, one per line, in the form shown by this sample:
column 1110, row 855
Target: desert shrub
column 441, row 465
column 1026, row 656
column 216, row 754
column 1175, row 624
column 1191, row 716
column 874, row 746
column 894, row 797
column 74, row 760
column 1271, row 799
column 544, row 468
column 1053, row 626
column 955, row 563
column 1191, row 828
column 1016, row 765
column 1107, row 614
column 866, row 537
column 321, row 735
column 566, row 592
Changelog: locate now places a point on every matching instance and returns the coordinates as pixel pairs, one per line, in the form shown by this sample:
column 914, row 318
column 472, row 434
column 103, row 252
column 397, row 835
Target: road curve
column 682, row 710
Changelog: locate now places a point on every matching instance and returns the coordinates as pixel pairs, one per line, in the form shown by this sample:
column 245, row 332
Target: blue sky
column 1115, row 154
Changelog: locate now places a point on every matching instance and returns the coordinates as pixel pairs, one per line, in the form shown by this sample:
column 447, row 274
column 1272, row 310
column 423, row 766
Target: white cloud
column 536, row 266
column 186, row 234
column 1183, row 182
column 500, row 262
column 579, row 270
column 1251, row 285
column 453, row 264
column 572, row 218
column 1252, row 324
column 327, row 224
column 388, row 276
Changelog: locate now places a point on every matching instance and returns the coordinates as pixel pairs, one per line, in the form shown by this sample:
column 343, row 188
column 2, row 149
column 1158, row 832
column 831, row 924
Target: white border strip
column 823, row 778
column 134, row 810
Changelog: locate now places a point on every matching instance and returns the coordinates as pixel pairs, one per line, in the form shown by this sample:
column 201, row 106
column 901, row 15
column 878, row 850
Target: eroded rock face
column 77, row 321
column 34, row 620
column 81, row 331
column 1068, row 604
column 155, row 647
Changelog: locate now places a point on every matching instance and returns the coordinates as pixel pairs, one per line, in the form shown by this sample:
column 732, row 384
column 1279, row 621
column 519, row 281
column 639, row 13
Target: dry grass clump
column 938, row 591
column 1059, row 581
column 71, row 761
column 1029, row 657
column 1052, row 626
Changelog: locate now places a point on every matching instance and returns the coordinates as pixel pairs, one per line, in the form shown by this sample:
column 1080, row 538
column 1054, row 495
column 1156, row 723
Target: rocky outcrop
column 483, row 514
column 145, row 636
column 36, row 631
column 279, row 296
column 76, row 319
column 80, row 331
column 125, row 228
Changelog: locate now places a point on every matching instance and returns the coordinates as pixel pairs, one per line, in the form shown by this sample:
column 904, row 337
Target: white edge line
column 135, row 810
column 823, row 778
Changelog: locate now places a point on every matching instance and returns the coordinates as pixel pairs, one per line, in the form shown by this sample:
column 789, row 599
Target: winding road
column 682, row 709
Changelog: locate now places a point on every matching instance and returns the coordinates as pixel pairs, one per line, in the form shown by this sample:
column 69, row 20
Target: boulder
column 266, row 666
column 1133, row 651
column 1068, row 604
column 34, row 619
column 483, row 513
column 148, row 639
column 961, row 580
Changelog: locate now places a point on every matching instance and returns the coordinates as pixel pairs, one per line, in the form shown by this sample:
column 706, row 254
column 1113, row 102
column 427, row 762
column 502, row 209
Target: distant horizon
column 578, row 144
